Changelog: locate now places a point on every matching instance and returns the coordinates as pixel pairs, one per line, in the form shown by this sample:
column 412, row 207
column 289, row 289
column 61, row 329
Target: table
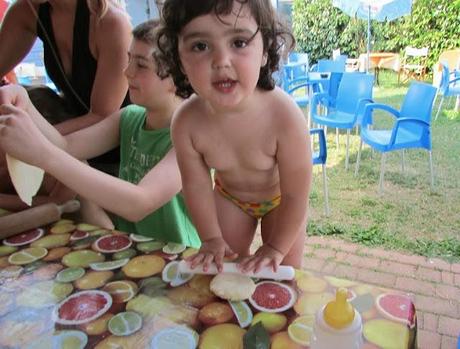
column 380, row 60
column 43, row 306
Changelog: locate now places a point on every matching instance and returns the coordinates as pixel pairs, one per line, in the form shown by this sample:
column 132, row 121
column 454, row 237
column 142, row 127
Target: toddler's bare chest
column 250, row 149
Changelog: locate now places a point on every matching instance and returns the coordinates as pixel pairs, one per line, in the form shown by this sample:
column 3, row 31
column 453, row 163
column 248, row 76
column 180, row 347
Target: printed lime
column 140, row 238
column 124, row 324
column 129, row 253
column 109, row 265
column 173, row 248
column 170, row 271
column 179, row 337
column 70, row 339
column 87, row 227
column 242, row 312
column 300, row 333
column 6, row 250
column 70, row 274
column 27, row 255
column 150, row 246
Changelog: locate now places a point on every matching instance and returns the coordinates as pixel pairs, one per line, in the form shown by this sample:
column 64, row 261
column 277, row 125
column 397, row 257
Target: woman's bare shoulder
column 23, row 12
column 115, row 22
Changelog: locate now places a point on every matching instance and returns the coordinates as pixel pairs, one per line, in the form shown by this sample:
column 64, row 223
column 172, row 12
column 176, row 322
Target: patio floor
column 434, row 282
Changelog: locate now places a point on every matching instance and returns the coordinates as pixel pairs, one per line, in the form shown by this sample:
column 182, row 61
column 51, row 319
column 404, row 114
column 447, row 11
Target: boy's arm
column 128, row 200
column 83, row 144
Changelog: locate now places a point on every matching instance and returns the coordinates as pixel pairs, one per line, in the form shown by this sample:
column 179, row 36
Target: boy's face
column 145, row 86
column 222, row 56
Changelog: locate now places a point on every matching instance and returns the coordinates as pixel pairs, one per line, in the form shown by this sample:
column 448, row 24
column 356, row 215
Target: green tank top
column 140, row 151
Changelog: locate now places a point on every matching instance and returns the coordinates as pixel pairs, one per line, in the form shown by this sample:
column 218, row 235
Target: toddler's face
column 222, row 56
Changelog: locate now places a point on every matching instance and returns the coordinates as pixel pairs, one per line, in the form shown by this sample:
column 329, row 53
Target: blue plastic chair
column 449, row 86
column 319, row 158
column 355, row 90
column 299, row 90
column 412, row 128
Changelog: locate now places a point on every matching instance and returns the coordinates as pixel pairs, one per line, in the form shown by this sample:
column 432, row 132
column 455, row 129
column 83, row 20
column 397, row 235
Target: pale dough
column 26, row 178
column 232, row 286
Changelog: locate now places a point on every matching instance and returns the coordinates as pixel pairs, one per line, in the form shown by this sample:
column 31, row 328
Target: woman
column 85, row 57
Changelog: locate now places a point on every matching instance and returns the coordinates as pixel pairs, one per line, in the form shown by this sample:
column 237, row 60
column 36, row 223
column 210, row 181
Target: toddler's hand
column 212, row 250
column 265, row 256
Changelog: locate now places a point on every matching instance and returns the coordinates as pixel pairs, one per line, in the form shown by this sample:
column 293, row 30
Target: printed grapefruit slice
column 396, row 307
column 82, row 307
column 24, row 238
column 272, row 297
column 78, row 235
column 121, row 291
column 112, row 243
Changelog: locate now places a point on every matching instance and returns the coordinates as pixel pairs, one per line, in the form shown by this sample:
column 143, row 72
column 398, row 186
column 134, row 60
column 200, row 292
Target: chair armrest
column 369, row 108
column 360, row 109
column 322, row 142
column 406, row 120
column 317, row 97
column 454, row 81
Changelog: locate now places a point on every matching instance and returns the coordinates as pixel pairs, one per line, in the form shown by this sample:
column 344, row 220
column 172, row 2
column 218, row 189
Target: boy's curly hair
column 178, row 13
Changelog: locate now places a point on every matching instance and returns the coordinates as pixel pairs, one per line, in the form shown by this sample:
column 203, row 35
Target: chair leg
column 431, row 169
column 358, row 159
column 382, row 173
column 337, row 138
column 439, row 108
column 348, row 146
column 325, row 191
column 402, row 161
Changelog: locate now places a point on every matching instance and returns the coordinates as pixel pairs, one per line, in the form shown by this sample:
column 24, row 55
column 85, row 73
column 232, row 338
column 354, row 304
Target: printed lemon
column 27, row 255
column 242, row 312
column 173, row 248
column 124, row 324
column 301, row 329
column 272, row 322
column 70, row 274
column 144, row 266
column 121, row 291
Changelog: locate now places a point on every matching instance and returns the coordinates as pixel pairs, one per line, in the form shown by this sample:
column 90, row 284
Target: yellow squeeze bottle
column 338, row 325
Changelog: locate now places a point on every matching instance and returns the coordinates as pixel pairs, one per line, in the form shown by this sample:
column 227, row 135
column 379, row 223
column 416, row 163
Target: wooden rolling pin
column 34, row 217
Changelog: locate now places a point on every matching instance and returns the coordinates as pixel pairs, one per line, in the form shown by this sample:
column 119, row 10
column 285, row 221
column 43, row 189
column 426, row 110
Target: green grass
column 409, row 216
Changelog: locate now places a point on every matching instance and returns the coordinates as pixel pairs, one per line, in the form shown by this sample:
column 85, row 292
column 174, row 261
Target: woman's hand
column 265, row 256
column 20, row 137
column 212, row 250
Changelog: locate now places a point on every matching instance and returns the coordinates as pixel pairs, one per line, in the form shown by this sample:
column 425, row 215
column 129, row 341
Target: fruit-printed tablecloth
column 72, row 285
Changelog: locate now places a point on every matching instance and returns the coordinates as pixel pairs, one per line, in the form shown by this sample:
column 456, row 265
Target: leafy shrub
column 319, row 28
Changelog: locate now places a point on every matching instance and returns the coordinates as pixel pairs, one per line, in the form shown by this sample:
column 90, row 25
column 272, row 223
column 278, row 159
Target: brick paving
column 435, row 283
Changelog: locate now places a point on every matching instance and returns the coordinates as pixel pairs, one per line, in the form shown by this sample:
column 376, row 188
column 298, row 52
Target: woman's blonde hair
column 100, row 7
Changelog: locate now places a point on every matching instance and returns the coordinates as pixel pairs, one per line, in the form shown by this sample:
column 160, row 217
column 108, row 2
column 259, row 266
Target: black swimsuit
column 77, row 87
